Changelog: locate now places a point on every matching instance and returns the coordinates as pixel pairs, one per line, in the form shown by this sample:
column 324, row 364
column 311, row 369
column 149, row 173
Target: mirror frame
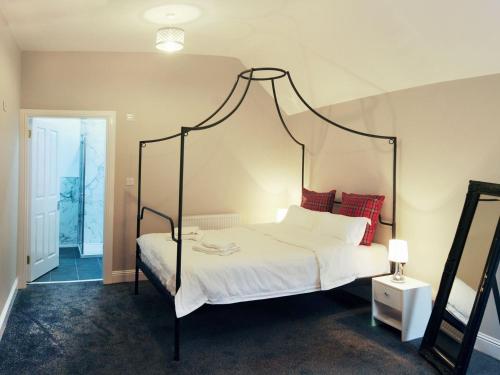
column 488, row 282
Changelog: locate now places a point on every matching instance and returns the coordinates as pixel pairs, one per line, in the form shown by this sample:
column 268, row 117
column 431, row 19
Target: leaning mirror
column 468, row 298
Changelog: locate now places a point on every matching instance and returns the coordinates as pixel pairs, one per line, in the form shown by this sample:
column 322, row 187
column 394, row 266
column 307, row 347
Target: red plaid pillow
column 358, row 205
column 317, row 201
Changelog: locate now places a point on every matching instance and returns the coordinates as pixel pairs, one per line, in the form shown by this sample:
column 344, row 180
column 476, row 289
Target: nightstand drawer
column 387, row 295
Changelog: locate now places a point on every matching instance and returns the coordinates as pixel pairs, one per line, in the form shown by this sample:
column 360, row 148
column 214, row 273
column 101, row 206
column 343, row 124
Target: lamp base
column 398, row 276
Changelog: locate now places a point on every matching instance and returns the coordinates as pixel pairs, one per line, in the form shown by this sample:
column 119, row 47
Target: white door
column 44, row 215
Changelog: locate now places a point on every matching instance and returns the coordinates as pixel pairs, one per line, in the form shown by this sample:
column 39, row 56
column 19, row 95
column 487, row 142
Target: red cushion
column 317, row 201
column 363, row 206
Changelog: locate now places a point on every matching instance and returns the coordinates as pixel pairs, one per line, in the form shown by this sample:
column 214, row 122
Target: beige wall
column 10, row 82
column 448, row 134
column 243, row 166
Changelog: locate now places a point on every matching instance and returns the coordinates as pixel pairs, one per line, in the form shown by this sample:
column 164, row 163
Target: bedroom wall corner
column 10, row 83
column 448, row 134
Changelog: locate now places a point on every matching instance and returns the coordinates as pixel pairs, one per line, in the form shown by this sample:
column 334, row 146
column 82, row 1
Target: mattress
column 273, row 262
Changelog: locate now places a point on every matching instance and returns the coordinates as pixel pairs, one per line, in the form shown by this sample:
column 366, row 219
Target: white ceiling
column 336, row 50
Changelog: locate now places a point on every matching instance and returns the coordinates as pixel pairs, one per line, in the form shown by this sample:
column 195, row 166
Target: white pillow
column 300, row 217
column 346, row 228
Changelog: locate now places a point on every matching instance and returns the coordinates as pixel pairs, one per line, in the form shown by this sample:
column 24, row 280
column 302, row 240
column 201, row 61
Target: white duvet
column 275, row 260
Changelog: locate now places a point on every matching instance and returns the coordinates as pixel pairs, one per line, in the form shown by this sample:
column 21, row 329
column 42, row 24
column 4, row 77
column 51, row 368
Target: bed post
column 138, row 230
column 303, row 155
column 178, row 267
column 394, row 142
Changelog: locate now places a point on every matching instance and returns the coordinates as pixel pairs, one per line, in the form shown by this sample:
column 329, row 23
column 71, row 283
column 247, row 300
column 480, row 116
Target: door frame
column 24, row 188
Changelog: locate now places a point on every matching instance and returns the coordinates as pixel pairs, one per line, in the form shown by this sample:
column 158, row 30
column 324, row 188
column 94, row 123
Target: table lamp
column 280, row 214
column 398, row 253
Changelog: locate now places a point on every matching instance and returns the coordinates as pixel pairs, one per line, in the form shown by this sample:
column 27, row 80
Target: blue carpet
column 88, row 328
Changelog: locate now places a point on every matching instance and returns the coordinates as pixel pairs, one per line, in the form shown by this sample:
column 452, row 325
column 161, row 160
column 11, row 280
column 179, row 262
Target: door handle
column 58, row 205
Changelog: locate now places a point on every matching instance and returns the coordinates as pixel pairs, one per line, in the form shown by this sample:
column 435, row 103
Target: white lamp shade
column 170, row 39
column 398, row 251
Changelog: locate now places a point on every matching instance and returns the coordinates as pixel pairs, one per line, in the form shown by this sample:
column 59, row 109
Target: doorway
column 68, row 196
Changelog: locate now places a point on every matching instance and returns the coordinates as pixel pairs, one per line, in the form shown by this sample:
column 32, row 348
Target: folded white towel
column 213, row 251
column 213, row 241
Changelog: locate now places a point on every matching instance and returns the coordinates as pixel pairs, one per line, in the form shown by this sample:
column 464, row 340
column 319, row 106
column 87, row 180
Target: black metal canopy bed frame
column 250, row 75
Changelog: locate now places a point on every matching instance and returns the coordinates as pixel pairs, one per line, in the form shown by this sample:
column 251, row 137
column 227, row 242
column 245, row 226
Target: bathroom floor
column 73, row 268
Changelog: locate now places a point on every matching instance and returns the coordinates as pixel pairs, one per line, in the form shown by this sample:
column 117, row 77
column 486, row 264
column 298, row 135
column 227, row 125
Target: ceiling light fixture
column 172, row 14
column 170, row 39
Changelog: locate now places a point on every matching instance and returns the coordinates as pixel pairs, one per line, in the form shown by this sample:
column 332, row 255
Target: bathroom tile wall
column 94, row 131
column 69, row 206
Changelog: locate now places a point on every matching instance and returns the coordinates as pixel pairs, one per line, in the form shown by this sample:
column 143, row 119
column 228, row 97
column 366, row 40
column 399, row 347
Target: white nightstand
column 406, row 306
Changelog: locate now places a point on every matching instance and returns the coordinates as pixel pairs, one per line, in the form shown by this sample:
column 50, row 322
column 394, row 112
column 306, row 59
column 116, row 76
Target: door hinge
column 28, row 259
column 29, row 133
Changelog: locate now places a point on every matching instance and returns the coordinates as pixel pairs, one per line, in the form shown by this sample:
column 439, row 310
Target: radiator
column 207, row 222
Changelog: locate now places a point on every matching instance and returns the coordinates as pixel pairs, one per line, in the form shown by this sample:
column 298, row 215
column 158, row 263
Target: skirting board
column 488, row 345
column 126, row 276
column 4, row 316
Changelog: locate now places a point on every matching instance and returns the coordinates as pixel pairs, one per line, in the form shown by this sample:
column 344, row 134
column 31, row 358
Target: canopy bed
column 276, row 262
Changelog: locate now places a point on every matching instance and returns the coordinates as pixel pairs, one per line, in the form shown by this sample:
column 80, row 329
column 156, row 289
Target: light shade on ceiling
column 170, row 39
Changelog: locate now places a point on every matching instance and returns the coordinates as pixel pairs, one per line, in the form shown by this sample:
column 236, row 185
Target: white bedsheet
column 275, row 260
column 371, row 260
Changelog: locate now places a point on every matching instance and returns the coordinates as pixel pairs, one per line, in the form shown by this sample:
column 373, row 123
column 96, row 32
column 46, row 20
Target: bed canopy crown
column 254, row 74
column 260, row 74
